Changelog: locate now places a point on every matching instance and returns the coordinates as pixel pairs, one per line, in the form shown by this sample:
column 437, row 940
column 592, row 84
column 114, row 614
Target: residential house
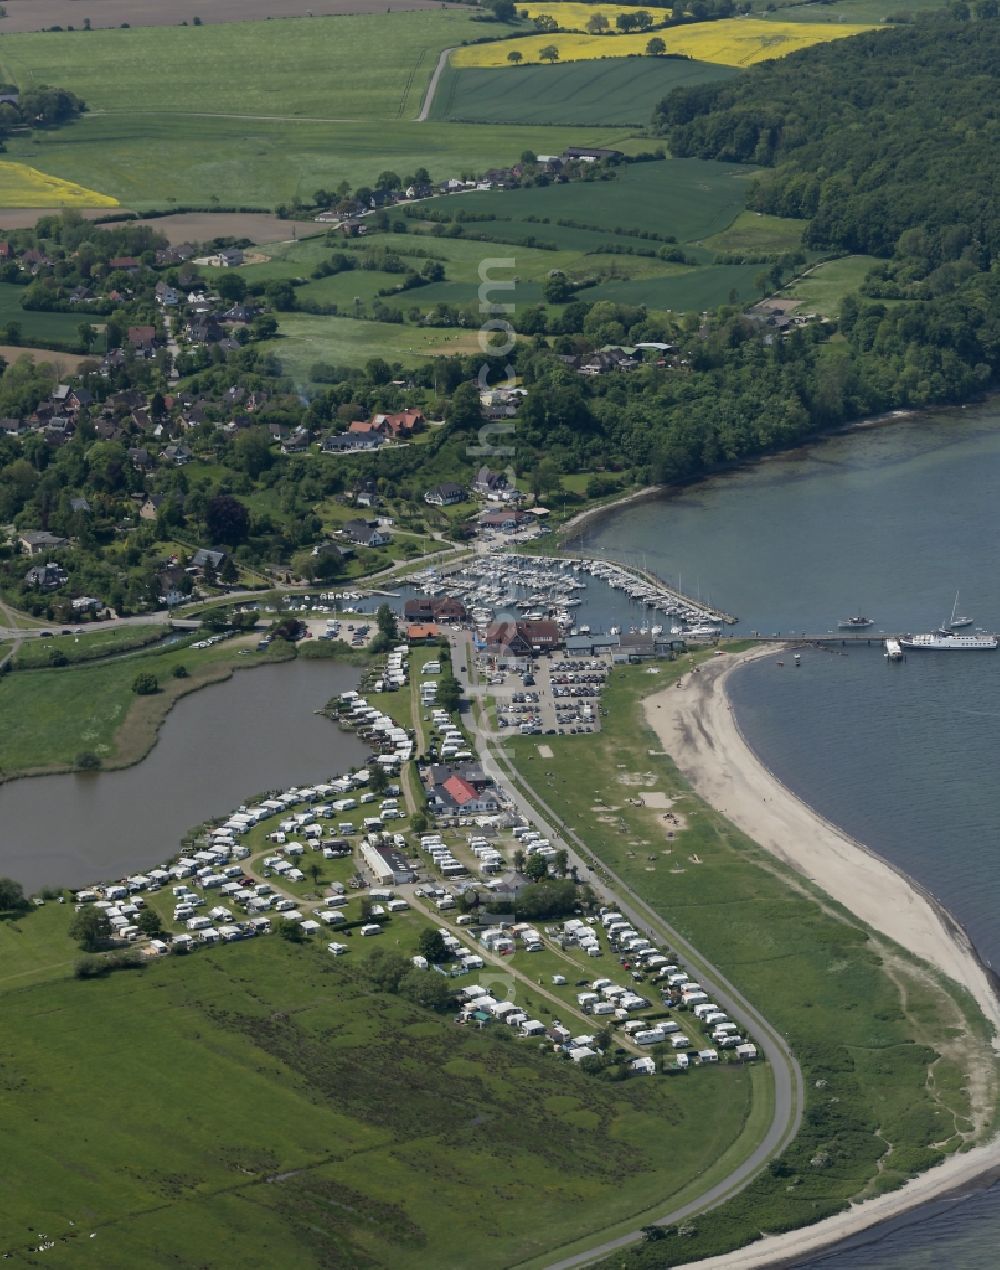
column 213, row 558
column 349, row 442
column 166, row 295
column 445, row 494
column 400, row 425
column 366, row 533
column 79, row 505
column 40, row 542
column 46, row 577
column 176, row 454
column 142, row 339
column 139, row 458
column 127, row 264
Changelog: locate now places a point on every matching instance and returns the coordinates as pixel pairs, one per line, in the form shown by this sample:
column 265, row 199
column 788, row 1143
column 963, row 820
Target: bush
column 92, row 967
column 145, row 684
column 87, row 761
column 180, row 672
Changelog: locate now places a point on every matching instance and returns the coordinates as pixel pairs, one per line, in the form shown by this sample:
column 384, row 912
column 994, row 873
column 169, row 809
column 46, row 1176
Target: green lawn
column 168, row 161
column 825, row 287
column 46, row 329
column 612, row 91
column 814, row 971
column 265, row 1099
column 360, row 67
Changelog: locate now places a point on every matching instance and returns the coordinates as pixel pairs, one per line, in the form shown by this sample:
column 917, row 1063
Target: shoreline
column 569, row 532
column 696, row 725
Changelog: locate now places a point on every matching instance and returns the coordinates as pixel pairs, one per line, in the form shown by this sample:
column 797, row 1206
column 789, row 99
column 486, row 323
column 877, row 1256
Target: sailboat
column 957, row 620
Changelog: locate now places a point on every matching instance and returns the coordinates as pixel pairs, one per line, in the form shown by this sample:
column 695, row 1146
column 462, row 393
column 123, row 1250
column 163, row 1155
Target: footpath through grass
column 884, row 1045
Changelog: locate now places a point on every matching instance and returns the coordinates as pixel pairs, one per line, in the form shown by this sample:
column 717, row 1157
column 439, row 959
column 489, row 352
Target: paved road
column 788, row 1092
column 425, row 109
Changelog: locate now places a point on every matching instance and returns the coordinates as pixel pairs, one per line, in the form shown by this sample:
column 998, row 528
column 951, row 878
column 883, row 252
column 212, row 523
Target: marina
column 502, row 585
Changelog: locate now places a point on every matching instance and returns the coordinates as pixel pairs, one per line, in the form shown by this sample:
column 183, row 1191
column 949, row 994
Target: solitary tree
column 11, row 896
column 514, row 57
column 548, row 54
column 536, row 868
column 643, row 20
column 432, row 946
column 149, row 922
column 430, row 991
column 91, row 928
column 598, row 24
column 655, row 47
column 519, row 860
column 561, row 861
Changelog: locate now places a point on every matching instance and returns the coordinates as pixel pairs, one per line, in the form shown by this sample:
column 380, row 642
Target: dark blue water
column 888, row 521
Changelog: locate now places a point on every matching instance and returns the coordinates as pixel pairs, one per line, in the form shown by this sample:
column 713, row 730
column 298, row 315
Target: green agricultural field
column 689, row 198
column 616, row 91
column 161, row 161
column 847, row 10
column 361, row 67
column 52, row 715
column 685, row 289
column 868, row 1025
column 265, row 1099
column 341, row 341
column 45, row 329
column 823, row 289
column 758, row 232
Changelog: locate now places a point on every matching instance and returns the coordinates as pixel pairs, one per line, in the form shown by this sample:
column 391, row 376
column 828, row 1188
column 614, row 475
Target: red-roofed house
column 367, row 427
column 467, row 798
column 401, row 424
column 423, row 633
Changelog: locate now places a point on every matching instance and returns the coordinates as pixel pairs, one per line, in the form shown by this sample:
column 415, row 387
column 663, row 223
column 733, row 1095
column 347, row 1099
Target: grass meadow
column 161, row 162
column 368, row 66
column 52, row 715
column 617, row 91
column 846, row 10
column 824, row 288
column 260, row 1097
column 876, row 1027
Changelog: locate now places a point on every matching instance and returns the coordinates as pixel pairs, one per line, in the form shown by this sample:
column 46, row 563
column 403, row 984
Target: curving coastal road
column 788, row 1091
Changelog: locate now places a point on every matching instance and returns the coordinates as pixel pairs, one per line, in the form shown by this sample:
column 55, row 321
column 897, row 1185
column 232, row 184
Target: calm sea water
column 888, row 521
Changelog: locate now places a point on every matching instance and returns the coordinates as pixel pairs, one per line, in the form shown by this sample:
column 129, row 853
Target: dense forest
column 887, row 142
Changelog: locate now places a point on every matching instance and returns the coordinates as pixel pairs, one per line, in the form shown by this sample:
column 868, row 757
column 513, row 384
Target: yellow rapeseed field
column 24, row 186
column 574, row 17
column 733, row 41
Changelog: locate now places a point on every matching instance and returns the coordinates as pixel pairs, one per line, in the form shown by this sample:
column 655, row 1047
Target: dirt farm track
column 38, row 15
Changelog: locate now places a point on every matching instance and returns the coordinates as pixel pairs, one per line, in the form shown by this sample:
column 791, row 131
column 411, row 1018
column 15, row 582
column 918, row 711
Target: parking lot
column 559, row 694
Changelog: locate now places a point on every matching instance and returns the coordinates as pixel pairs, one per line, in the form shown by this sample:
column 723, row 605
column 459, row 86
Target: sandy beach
column 696, row 726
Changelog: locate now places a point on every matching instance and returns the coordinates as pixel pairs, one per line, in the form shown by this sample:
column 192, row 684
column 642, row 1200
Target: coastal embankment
column 696, row 725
